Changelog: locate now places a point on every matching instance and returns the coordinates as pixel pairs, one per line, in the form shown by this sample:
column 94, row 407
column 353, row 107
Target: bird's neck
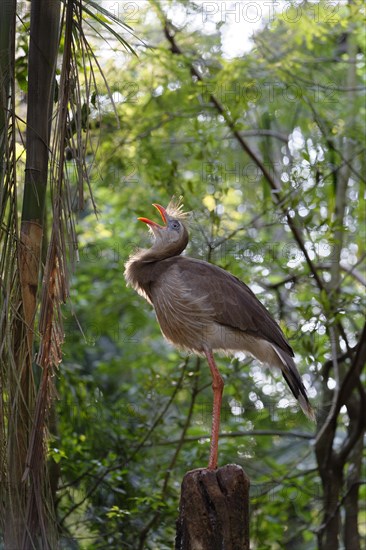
column 156, row 253
column 143, row 267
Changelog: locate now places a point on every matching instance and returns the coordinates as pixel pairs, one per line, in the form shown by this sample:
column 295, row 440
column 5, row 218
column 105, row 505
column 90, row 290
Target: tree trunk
column 351, row 503
column 331, row 477
column 214, row 510
column 43, row 49
column 332, row 462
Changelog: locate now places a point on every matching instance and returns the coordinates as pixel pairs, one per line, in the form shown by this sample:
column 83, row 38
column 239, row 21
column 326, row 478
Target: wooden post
column 214, row 510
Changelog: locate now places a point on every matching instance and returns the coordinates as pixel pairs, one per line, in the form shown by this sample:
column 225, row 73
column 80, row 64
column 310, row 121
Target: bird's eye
column 174, row 224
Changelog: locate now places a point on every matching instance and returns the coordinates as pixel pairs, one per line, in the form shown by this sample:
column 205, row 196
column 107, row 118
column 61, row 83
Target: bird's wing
column 234, row 304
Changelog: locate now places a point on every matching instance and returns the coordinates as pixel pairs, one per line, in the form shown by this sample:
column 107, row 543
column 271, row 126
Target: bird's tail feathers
column 293, row 379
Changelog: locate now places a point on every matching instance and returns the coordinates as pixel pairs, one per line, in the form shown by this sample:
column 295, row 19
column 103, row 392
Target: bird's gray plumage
column 200, row 306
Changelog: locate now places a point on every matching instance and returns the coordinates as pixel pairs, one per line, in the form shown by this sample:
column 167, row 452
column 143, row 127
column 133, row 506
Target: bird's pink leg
column 218, row 388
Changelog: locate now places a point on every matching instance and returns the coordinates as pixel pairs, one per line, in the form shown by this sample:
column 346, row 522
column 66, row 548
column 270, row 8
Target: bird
column 202, row 308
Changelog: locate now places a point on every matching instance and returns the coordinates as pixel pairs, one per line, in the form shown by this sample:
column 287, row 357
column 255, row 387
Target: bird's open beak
column 163, row 215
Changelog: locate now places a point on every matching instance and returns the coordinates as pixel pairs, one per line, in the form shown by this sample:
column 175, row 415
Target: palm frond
column 106, row 19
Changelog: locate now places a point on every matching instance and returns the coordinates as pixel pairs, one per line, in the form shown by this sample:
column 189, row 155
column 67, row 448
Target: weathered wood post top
column 214, row 510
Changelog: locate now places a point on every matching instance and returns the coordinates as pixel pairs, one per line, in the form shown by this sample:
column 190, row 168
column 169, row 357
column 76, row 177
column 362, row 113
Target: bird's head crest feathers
column 175, row 209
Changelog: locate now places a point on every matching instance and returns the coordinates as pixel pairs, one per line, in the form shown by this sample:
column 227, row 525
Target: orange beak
column 163, row 214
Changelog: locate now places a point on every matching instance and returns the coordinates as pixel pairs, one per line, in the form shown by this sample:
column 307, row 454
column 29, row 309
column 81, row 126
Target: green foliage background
column 133, row 414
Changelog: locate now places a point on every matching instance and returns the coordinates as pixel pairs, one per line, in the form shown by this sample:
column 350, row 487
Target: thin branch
column 257, row 132
column 246, row 433
column 350, row 271
column 274, row 286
